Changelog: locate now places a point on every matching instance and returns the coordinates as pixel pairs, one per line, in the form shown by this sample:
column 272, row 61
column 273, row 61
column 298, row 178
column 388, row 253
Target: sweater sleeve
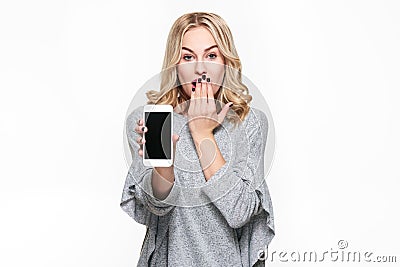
column 238, row 189
column 138, row 200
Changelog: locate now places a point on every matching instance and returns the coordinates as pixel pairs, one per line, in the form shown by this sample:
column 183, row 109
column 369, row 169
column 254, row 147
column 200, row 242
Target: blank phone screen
column 158, row 135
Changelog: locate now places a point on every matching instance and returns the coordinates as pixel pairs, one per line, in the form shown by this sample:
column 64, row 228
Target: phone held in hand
column 158, row 148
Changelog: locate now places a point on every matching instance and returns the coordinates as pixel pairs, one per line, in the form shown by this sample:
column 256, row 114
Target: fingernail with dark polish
column 203, row 76
column 143, row 128
column 193, row 89
column 199, row 80
column 208, row 79
column 231, row 104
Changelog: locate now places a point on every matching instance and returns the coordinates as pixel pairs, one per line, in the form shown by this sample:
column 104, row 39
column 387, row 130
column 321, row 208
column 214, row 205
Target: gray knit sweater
column 226, row 221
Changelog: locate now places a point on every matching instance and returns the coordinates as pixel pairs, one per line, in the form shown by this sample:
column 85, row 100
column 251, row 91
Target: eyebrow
column 204, row 49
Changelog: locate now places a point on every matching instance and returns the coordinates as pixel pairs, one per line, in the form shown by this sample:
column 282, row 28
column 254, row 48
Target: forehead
column 198, row 38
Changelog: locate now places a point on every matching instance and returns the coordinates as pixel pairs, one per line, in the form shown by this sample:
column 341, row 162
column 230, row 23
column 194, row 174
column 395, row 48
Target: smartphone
column 158, row 148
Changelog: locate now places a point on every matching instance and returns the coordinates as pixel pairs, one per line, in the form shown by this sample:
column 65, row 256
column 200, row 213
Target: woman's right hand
column 141, row 128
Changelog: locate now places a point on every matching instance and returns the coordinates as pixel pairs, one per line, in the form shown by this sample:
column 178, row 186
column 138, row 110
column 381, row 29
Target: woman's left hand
column 202, row 112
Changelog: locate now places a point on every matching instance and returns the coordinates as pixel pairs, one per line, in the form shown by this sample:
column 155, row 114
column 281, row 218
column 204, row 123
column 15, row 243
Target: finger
column 139, row 124
column 196, row 103
column 140, row 140
column 203, row 93
column 210, row 94
column 224, row 110
column 192, row 100
column 140, row 129
column 140, row 152
column 198, row 88
column 175, row 137
column 203, row 108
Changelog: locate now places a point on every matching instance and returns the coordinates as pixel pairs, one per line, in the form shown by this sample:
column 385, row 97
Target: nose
column 200, row 68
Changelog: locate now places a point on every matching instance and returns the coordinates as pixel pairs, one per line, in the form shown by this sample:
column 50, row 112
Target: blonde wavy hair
column 232, row 88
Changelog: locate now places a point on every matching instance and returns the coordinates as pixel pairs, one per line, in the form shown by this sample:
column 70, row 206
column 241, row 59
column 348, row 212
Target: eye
column 212, row 55
column 187, row 57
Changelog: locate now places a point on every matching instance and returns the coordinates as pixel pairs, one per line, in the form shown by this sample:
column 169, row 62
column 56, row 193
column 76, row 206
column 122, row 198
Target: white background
column 329, row 71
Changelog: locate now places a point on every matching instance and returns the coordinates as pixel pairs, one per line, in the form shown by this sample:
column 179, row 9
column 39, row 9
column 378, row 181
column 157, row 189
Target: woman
column 212, row 206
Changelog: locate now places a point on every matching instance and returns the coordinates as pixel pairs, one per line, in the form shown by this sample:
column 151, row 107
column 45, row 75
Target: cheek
column 182, row 70
column 217, row 74
column 185, row 73
column 184, row 76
